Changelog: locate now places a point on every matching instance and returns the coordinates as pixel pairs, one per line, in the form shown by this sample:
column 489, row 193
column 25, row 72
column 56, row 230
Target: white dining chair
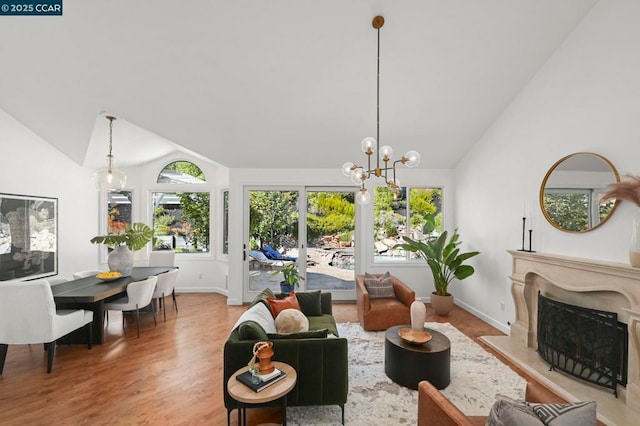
column 162, row 258
column 139, row 295
column 56, row 280
column 28, row 316
column 87, row 273
column 165, row 287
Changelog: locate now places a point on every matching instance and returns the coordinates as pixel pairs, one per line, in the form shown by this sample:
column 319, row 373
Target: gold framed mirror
column 570, row 192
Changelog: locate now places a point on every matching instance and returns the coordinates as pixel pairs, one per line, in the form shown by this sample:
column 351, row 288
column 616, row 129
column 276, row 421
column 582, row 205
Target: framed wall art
column 28, row 237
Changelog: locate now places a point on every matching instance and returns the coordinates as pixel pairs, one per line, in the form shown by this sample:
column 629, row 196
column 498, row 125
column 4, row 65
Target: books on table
column 266, row 380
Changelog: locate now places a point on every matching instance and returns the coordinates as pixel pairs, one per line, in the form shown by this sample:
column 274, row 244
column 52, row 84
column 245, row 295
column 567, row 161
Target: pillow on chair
column 291, row 321
column 379, row 287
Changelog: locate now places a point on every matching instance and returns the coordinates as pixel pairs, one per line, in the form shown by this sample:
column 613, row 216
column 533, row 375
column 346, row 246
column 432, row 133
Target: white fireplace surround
column 613, row 287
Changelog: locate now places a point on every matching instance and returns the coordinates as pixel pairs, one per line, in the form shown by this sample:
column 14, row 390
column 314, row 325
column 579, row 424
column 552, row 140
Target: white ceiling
column 278, row 83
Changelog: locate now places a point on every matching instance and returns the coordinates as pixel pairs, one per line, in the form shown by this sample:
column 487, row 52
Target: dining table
column 91, row 293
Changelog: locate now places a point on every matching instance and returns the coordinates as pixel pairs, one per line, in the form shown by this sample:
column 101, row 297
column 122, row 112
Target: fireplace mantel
column 594, row 284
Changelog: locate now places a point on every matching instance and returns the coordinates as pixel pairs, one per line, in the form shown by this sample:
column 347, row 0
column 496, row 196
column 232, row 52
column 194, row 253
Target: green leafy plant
column 135, row 237
column 291, row 275
column 443, row 257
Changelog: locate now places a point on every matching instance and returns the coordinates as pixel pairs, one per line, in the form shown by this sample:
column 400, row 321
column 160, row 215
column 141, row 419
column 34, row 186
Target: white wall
column 30, row 166
column 586, row 98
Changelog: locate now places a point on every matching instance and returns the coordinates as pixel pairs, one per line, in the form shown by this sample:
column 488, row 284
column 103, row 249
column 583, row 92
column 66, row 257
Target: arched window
column 181, row 219
column 181, row 172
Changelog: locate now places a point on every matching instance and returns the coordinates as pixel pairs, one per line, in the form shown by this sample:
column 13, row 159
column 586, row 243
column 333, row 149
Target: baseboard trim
column 489, row 320
column 202, row 290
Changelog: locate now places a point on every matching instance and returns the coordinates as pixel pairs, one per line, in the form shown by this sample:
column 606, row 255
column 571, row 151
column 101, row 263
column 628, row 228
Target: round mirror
column 570, row 192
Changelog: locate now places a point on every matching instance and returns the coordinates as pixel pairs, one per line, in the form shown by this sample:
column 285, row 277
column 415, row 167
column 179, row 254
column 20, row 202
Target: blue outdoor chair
column 274, row 254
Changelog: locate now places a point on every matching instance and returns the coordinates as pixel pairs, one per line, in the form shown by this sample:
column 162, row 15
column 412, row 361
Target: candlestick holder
column 530, row 234
column 524, row 221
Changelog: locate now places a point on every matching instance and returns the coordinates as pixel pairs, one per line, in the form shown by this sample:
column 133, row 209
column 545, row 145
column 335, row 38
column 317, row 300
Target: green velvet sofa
column 320, row 362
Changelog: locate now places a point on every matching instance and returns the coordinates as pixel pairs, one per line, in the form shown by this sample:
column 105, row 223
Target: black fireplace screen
column 585, row 343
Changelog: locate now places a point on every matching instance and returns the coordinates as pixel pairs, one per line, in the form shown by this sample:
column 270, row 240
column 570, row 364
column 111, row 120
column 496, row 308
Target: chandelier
column 109, row 177
column 370, row 145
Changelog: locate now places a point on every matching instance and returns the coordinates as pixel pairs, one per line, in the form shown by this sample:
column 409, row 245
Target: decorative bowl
column 108, row 276
column 415, row 337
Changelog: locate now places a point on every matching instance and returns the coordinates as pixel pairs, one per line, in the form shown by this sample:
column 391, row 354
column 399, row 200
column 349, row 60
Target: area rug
column 476, row 378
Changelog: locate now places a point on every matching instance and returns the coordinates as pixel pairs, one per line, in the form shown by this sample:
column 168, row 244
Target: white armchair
column 28, row 315
column 139, row 294
column 165, row 286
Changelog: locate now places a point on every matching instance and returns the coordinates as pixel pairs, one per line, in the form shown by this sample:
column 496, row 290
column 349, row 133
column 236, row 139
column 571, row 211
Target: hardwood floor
column 171, row 375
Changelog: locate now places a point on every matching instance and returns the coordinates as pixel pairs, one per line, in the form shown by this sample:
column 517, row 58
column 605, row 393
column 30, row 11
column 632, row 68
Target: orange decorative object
column 264, row 354
column 415, row 337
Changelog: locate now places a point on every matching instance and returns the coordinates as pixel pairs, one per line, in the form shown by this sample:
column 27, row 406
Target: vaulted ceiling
column 278, row 83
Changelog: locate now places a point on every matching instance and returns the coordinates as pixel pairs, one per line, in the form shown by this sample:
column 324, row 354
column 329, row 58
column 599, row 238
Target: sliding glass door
column 330, row 226
column 311, row 227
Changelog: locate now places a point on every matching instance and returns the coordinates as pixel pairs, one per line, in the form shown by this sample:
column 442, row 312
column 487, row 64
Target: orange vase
column 265, row 366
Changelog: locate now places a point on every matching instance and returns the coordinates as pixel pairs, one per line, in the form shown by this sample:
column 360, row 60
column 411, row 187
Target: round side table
column 247, row 396
column 408, row 364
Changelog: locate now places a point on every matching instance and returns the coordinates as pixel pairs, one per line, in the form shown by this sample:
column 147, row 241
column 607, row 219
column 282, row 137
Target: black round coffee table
column 408, row 364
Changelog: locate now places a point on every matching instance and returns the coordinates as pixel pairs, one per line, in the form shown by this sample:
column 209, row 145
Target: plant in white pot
column 292, row 277
column 446, row 263
column 135, row 237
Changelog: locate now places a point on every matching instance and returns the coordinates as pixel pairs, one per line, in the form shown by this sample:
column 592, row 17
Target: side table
column 408, row 364
column 247, row 396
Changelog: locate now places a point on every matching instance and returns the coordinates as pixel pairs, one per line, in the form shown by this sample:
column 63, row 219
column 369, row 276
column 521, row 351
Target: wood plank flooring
column 171, row 375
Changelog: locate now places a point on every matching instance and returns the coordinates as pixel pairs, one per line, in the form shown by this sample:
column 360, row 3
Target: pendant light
column 109, row 177
column 370, row 146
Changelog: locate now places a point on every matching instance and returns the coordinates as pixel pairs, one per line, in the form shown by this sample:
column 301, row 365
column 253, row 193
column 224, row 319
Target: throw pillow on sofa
column 508, row 412
column 251, row 330
column 310, row 303
column 279, row 305
column 260, row 314
column 379, row 287
column 291, row 321
column 558, row 414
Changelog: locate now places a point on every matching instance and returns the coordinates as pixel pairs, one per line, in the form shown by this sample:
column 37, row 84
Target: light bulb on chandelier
column 360, row 174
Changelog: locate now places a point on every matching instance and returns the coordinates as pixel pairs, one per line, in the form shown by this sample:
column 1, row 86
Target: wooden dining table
column 91, row 293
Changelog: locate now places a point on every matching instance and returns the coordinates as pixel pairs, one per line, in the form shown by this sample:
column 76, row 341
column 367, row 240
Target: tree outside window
column 397, row 215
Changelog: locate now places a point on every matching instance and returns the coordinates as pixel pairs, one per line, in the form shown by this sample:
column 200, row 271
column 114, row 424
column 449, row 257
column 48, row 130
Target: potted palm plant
column 446, row 263
column 292, row 277
column 134, row 237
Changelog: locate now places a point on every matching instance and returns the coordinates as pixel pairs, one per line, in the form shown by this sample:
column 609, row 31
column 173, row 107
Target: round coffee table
column 408, row 364
column 247, row 396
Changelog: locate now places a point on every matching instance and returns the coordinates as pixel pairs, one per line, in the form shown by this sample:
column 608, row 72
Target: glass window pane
column 118, row 211
column 225, row 222
column 390, row 223
column 419, row 217
column 181, row 172
column 181, row 221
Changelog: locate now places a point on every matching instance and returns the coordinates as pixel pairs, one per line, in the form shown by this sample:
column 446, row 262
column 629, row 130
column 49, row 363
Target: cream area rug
column 476, row 378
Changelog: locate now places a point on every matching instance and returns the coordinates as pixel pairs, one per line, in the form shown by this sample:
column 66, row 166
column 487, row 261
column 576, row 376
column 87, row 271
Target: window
column 118, row 211
column 399, row 215
column 225, row 222
column 181, row 218
column 181, row 172
column 576, row 209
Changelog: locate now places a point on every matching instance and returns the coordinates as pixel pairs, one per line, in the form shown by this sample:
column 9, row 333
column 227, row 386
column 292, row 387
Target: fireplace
column 585, row 283
column 588, row 344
